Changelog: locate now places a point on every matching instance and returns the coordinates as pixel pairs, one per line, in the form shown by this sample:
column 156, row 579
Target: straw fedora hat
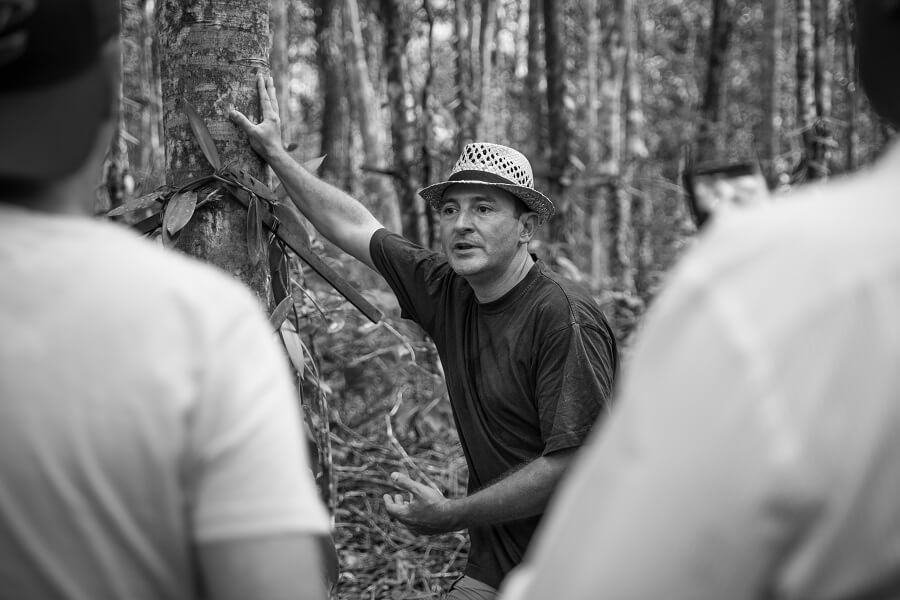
column 496, row 166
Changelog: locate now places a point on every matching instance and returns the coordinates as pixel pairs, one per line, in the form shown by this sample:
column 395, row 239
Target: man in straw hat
column 149, row 438
column 529, row 357
column 754, row 449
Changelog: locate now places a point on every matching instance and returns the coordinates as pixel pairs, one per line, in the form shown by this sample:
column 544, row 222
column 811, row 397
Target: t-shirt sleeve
column 418, row 277
column 247, row 463
column 576, row 370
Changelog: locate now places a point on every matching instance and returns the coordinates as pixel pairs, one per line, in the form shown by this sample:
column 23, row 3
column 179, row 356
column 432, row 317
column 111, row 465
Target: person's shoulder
column 564, row 301
column 150, row 274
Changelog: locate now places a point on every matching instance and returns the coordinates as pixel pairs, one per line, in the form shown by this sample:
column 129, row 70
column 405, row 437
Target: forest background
column 611, row 100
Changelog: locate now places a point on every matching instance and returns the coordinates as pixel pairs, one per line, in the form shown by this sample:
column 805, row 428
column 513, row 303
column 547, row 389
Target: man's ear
column 529, row 223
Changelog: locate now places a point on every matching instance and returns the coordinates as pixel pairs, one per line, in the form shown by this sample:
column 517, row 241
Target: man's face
column 480, row 230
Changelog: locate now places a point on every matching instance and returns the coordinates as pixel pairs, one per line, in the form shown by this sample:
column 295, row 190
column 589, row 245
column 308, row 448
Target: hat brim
column 49, row 132
column 533, row 199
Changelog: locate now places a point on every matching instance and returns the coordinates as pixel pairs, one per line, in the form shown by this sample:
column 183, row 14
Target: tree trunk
column 378, row 193
column 335, row 113
column 825, row 12
column 811, row 166
column 210, row 51
column 851, row 93
column 396, row 38
column 770, row 75
column 279, row 26
column 534, row 76
column 710, row 140
column 559, row 121
column 486, row 48
column 466, row 115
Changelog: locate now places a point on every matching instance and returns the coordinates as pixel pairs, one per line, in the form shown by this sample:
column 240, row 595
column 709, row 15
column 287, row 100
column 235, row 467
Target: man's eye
column 483, row 208
column 447, row 211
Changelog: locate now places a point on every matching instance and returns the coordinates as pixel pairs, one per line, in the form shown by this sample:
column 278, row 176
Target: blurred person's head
column 878, row 48
column 59, row 76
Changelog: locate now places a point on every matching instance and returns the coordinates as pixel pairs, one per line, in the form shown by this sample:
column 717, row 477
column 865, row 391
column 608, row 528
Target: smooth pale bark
column 465, row 110
column 210, row 53
column 379, row 195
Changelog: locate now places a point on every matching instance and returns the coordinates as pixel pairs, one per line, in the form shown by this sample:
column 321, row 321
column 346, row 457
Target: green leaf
column 142, row 203
column 313, row 164
column 281, row 311
column 179, row 211
column 204, row 139
column 256, row 240
column 294, row 347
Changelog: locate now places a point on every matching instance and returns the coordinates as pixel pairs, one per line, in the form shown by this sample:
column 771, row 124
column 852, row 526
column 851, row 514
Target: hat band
column 474, row 175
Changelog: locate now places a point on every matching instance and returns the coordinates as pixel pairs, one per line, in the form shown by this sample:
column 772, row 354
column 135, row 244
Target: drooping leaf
column 294, row 347
column 256, row 241
column 313, row 164
column 281, row 311
column 179, row 211
column 204, row 139
column 144, row 202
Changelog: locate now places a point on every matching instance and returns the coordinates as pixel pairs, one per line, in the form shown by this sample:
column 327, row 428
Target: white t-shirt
column 754, row 451
column 144, row 407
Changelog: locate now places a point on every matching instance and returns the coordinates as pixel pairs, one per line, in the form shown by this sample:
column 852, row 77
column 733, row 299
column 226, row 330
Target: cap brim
column 533, row 199
column 48, row 133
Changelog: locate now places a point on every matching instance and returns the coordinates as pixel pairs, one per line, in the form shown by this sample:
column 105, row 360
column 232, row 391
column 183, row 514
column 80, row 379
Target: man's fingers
column 240, row 120
column 404, row 482
column 273, row 97
column 264, row 107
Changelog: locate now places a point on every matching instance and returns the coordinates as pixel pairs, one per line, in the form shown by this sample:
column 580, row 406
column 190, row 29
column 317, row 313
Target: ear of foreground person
column 753, row 449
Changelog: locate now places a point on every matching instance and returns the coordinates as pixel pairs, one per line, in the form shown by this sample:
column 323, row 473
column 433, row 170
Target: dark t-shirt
column 527, row 374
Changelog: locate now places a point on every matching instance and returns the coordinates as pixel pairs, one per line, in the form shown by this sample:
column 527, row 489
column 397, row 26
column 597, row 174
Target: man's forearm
column 341, row 219
column 521, row 494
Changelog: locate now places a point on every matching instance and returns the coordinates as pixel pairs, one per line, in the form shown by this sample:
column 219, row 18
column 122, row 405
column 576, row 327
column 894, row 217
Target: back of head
column 878, row 47
column 57, row 85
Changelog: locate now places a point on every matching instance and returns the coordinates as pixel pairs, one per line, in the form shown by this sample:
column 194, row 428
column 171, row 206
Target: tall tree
column 335, row 112
column 770, row 85
column 210, row 51
column 812, row 165
column 710, row 139
column 378, row 193
column 559, row 120
column 466, row 112
column 534, row 76
column 396, row 39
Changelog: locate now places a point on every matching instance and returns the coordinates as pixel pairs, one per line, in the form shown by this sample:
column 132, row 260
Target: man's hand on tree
column 265, row 138
column 427, row 511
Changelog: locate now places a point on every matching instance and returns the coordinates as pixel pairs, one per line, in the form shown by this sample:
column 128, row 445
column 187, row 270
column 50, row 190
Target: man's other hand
column 265, row 138
column 427, row 511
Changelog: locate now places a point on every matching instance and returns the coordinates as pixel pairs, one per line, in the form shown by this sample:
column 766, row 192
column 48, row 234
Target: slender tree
column 378, row 193
column 710, row 139
column 770, row 85
column 335, row 111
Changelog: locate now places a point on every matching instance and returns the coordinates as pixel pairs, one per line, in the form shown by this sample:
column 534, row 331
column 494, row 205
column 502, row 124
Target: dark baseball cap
column 55, row 90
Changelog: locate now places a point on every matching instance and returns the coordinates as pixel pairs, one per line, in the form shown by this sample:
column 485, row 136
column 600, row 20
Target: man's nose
column 463, row 221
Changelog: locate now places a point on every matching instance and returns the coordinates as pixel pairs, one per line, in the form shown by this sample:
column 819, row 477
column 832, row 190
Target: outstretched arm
column 340, row 218
column 521, row 494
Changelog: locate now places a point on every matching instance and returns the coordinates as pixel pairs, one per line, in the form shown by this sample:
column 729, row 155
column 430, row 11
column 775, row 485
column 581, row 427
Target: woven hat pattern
column 497, row 166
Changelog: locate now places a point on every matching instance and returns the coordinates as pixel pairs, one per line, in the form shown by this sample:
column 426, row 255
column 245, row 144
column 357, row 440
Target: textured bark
column 486, row 46
column 335, row 111
column 378, row 193
column 559, row 121
column 851, row 141
column 770, row 77
column 396, row 38
column 711, row 142
column 210, row 52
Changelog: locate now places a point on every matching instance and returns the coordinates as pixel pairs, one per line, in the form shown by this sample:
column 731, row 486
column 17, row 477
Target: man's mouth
column 463, row 246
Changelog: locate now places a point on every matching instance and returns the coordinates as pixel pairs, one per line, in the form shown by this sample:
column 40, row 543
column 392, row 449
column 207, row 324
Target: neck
column 497, row 287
